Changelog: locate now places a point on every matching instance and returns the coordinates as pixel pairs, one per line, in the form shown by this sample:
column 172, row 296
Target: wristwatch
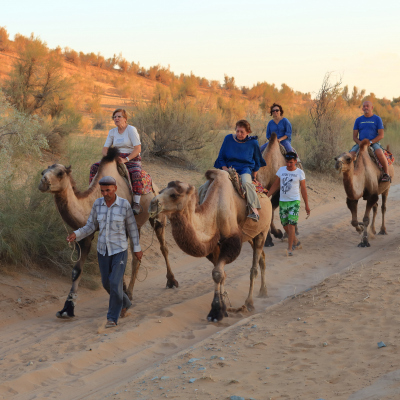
column 127, row 158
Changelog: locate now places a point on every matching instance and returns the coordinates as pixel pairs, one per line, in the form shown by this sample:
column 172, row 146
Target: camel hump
column 364, row 144
column 273, row 137
column 112, row 154
column 211, row 174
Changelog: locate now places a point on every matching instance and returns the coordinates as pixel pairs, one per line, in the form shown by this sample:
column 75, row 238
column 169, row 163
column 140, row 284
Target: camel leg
column 158, row 225
column 274, row 231
column 69, row 305
column 257, row 250
column 352, row 206
column 263, row 288
column 228, row 252
column 370, row 203
column 374, row 212
column 384, row 198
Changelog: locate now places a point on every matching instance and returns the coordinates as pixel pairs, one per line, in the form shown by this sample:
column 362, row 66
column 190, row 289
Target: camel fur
column 363, row 180
column 75, row 206
column 214, row 230
column 267, row 175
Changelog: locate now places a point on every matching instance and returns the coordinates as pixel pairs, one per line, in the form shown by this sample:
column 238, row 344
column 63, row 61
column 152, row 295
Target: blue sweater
column 281, row 129
column 244, row 157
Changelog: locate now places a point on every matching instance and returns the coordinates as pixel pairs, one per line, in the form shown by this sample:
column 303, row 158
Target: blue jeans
column 112, row 269
column 285, row 143
column 375, row 146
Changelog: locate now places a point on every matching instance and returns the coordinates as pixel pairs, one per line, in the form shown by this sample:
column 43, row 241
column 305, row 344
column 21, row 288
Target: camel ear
column 190, row 190
column 68, row 170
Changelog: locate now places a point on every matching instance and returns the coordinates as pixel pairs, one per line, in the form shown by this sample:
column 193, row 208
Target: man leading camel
column 370, row 126
column 290, row 179
column 113, row 216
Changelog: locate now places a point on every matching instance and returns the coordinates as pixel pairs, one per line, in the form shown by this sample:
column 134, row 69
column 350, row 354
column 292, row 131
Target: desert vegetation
column 48, row 96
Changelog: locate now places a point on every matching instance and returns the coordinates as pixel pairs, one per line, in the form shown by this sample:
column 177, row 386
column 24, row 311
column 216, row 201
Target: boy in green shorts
column 291, row 181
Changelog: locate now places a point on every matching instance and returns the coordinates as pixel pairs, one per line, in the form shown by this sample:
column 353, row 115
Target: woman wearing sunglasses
column 281, row 126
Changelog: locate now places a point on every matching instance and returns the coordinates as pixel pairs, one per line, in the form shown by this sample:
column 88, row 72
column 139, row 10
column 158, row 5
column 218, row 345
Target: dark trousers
column 112, row 269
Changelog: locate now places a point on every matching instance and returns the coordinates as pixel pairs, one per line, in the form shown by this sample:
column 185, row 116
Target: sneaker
column 386, row 178
column 110, row 324
column 254, row 217
column 289, row 253
column 137, row 208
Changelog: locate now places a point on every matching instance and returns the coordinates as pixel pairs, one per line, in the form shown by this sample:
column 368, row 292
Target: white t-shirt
column 290, row 183
column 125, row 141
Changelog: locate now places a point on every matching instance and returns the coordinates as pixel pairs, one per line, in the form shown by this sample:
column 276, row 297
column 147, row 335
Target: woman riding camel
column 242, row 152
column 126, row 138
column 281, row 126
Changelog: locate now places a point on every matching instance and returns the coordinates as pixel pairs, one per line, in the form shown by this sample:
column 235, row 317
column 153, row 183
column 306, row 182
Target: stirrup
column 386, row 178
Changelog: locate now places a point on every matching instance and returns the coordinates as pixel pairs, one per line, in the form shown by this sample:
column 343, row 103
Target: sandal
column 386, row 178
column 136, row 208
column 254, row 217
column 289, row 253
column 297, row 246
column 110, row 324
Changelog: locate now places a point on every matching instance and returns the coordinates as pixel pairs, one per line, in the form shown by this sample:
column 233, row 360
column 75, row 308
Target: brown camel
column 75, row 206
column 267, row 175
column 363, row 180
column 214, row 230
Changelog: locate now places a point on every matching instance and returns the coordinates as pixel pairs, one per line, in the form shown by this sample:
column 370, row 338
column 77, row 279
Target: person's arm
column 131, row 228
column 288, row 131
column 136, row 151
column 275, row 186
column 269, row 130
column 88, row 229
column 303, row 189
column 104, row 151
column 379, row 137
column 221, row 161
column 108, row 143
column 355, row 136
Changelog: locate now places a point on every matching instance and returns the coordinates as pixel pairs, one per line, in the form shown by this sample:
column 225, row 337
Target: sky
column 295, row 42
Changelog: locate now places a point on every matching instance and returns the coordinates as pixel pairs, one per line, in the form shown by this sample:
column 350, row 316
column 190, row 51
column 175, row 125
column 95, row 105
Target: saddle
column 237, row 184
column 146, row 179
column 389, row 156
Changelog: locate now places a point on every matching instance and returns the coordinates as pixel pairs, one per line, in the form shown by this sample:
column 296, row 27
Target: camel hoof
column 171, row 283
column 382, row 232
column 64, row 315
column 262, row 293
column 362, row 244
column 279, row 234
column 268, row 244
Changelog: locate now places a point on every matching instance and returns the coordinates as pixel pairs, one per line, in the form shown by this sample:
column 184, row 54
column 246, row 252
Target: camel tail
column 112, row 154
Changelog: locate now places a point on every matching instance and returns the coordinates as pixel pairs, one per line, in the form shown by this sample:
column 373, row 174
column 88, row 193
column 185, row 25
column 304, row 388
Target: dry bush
column 4, row 41
column 72, row 56
column 173, row 129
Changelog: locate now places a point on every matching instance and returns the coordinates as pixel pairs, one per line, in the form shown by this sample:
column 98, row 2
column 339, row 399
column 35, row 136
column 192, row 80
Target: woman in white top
column 126, row 138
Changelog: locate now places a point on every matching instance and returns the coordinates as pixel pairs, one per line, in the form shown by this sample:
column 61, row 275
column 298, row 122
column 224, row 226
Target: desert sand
column 314, row 337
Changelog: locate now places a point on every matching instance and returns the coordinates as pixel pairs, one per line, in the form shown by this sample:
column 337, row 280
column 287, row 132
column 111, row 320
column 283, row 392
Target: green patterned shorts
column 289, row 212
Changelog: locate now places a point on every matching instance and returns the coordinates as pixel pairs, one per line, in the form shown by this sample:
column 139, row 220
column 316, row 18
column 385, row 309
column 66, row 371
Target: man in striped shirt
column 114, row 218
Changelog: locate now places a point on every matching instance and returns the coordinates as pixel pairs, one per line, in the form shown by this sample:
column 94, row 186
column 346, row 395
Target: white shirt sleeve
column 110, row 139
column 133, row 136
column 302, row 175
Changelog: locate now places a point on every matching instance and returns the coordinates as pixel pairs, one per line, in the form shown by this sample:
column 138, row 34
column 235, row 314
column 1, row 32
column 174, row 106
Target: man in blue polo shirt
column 370, row 126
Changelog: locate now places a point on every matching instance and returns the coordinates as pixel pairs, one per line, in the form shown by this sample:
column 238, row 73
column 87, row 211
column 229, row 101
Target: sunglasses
column 276, row 110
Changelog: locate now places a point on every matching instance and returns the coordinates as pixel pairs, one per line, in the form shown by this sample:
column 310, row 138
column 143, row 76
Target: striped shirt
column 114, row 223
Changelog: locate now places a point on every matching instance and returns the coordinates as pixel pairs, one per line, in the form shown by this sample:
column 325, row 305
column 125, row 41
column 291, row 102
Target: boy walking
column 291, row 180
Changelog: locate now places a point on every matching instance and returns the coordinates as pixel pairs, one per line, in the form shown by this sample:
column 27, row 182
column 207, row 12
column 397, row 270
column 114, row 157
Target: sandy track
column 43, row 357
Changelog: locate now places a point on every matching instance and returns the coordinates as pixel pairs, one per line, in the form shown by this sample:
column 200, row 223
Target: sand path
column 43, row 357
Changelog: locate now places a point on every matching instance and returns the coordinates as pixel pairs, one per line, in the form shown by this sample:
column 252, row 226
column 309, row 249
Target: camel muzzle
column 154, row 208
column 44, row 185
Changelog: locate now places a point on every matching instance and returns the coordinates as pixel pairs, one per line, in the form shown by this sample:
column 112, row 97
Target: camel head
column 344, row 162
column 54, row 178
column 174, row 198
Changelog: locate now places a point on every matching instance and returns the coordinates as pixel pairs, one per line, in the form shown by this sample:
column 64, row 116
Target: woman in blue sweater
column 242, row 152
column 281, row 126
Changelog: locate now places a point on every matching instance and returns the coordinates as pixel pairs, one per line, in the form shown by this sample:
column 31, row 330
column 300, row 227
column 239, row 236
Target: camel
column 363, row 180
column 214, row 230
column 267, row 175
column 75, row 206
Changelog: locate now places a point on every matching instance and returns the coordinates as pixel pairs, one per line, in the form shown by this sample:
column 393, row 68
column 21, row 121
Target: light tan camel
column 363, row 180
column 214, row 230
column 75, row 206
column 267, row 175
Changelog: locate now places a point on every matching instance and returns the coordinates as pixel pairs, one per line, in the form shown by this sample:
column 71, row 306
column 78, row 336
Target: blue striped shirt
column 114, row 223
